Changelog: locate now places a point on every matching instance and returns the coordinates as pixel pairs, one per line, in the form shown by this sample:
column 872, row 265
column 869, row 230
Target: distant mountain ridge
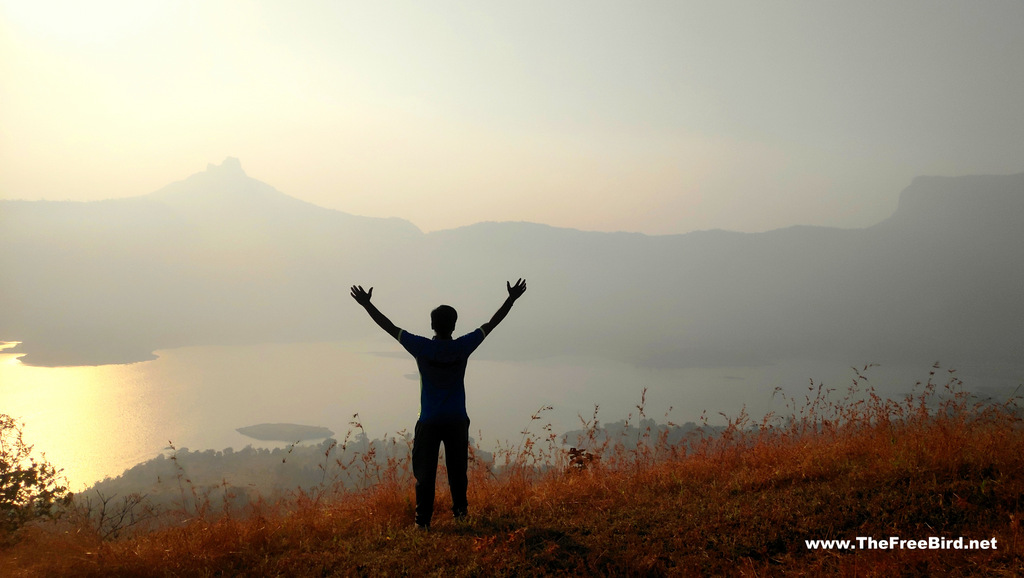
column 985, row 195
column 221, row 258
column 225, row 189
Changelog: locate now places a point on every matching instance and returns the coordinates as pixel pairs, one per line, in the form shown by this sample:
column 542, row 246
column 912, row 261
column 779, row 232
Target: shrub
column 29, row 488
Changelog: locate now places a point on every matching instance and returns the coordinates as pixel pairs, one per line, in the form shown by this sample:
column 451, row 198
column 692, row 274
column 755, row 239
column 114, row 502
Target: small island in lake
column 285, row 432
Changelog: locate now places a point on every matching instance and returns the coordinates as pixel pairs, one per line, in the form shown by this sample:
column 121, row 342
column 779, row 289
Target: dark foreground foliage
column 30, row 487
column 741, row 502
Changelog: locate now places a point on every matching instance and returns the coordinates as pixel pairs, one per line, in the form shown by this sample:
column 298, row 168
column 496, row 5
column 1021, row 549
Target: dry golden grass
column 742, row 502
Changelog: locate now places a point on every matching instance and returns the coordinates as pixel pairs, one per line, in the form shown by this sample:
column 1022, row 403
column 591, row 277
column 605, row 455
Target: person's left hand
column 362, row 297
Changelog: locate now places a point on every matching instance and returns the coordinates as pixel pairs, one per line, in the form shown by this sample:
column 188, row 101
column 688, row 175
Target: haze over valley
column 220, row 258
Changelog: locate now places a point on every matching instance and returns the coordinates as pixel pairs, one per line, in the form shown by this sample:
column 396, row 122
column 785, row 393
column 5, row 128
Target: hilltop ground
column 937, row 466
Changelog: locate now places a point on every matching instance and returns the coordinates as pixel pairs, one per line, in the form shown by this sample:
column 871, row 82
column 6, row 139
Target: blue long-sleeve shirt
column 442, row 365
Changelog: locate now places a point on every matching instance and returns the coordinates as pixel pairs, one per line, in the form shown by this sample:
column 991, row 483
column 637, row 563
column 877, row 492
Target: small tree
column 29, row 488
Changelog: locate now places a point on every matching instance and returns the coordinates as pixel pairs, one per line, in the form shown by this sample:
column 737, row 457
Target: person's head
column 442, row 320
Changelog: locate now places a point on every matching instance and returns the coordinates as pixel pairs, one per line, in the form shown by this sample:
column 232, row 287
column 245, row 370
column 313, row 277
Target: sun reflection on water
column 99, row 421
column 74, row 415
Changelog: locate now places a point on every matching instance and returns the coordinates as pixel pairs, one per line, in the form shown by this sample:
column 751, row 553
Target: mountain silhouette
column 221, row 258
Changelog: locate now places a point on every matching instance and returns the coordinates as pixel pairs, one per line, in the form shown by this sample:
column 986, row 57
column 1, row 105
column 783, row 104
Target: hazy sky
column 659, row 117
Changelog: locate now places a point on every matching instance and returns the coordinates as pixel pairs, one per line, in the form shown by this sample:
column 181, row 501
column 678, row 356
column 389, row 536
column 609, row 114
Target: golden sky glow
column 661, row 117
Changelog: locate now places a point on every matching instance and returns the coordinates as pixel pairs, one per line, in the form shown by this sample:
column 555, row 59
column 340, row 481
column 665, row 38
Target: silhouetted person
column 443, row 419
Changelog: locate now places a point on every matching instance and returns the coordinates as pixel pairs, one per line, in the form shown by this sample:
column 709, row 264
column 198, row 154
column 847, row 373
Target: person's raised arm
column 363, row 298
column 514, row 292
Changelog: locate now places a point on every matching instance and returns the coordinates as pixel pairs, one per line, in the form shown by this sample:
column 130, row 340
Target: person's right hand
column 516, row 291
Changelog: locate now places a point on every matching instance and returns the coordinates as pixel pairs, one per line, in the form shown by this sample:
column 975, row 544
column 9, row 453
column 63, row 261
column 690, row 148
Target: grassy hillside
column 742, row 502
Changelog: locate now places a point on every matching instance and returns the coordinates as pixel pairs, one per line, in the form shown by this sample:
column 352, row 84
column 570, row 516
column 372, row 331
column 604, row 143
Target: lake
column 98, row 421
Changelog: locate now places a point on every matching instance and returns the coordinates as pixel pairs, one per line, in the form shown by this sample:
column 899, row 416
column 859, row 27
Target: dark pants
column 425, row 448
